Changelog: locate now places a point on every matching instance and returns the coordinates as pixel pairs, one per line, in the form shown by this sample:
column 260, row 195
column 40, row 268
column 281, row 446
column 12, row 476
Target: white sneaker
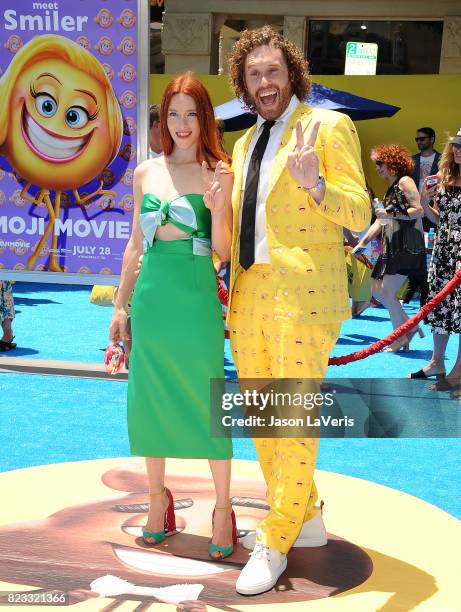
column 312, row 534
column 262, row 571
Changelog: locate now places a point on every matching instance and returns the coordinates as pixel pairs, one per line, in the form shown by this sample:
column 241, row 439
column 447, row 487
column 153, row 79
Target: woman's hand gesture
column 213, row 192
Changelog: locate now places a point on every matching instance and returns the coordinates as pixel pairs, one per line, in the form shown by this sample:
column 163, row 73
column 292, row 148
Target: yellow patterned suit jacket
column 305, row 240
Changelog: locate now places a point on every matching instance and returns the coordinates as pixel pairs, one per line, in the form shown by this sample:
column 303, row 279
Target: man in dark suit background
column 426, row 164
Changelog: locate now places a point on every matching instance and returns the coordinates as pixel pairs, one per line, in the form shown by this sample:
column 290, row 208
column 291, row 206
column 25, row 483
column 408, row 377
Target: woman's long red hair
column 208, row 148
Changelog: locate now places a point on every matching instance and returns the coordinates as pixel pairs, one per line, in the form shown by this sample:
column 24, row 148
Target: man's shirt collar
column 285, row 116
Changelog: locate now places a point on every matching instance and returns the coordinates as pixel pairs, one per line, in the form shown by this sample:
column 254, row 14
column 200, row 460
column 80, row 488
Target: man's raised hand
column 303, row 163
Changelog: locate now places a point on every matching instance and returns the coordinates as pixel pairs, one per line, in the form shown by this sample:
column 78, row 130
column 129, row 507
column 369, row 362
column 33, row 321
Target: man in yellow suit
column 298, row 181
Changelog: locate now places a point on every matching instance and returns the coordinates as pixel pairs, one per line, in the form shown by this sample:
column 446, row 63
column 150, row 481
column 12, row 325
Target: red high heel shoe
column 169, row 523
column 224, row 551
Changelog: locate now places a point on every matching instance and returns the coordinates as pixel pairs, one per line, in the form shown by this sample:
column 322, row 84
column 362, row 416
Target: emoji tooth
column 167, row 564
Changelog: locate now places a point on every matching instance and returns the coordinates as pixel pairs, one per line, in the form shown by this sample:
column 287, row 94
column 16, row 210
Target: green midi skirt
column 178, row 347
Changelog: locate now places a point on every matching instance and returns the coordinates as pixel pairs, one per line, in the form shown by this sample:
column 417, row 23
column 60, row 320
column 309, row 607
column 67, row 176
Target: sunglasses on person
column 418, row 138
column 379, row 163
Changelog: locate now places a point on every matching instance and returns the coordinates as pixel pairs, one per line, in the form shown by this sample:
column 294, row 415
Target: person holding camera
column 403, row 248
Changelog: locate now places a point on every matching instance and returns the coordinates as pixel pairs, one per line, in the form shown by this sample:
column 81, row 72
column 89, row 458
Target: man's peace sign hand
column 303, row 163
column 213, row 192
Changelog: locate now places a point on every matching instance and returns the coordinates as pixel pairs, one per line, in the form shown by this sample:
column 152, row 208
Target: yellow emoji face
column 58, row 125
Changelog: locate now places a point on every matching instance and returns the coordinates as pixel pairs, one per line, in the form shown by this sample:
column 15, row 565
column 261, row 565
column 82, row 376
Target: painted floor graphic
column 65, row 526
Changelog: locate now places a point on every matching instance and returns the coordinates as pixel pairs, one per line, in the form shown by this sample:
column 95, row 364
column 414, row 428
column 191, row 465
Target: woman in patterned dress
column 6, row 316
column 446, row 261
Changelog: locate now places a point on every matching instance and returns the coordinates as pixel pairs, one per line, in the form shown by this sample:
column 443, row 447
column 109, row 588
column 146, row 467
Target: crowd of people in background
column 417, row 169
column 420, row 215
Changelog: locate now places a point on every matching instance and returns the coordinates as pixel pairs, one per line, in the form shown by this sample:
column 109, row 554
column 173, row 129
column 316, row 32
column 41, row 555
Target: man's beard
column 285, row 95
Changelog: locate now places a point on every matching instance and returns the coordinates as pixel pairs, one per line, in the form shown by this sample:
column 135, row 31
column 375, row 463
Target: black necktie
column 247, row 225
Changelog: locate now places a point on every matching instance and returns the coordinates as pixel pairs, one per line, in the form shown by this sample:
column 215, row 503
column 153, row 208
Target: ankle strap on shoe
column 229, row 506
column 159, row 493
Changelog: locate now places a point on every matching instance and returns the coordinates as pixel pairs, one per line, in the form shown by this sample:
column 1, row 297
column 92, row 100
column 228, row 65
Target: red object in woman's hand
column 114, row 358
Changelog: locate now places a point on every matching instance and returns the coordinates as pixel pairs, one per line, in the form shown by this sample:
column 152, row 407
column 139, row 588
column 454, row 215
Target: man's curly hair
column 396, row 157
column 298, row 68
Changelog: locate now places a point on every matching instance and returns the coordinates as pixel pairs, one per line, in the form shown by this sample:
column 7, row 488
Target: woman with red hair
column 182, row 212
column 402, row 234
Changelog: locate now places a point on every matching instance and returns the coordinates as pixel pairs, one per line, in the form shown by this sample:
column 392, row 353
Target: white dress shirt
column 276, row 133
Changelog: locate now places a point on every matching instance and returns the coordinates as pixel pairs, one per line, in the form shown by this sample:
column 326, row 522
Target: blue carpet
column 58, row 322
column 51, row 419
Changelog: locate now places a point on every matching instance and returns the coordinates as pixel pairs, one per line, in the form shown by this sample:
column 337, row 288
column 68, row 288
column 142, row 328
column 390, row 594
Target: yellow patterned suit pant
column 268, row 344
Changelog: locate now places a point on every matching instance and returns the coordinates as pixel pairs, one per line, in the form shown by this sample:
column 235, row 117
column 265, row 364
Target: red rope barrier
column 403, row 329
column 223, row 296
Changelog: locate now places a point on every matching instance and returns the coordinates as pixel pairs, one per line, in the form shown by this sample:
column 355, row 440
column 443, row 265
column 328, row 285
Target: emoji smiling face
column 127, row 203
column 108, row 540
column 104, row 45
column 109, row 71
column 127, row 45
column 127, row 73
column 84, row 42
column 128, row 99
column 14, row 43
column 127, row 18
column 16, row 199
column 104, row 18
column 58, row 121
column 129, row 126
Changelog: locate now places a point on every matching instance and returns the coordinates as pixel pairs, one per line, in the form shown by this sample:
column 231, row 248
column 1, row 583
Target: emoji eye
column 45, row 105
column 76, row 117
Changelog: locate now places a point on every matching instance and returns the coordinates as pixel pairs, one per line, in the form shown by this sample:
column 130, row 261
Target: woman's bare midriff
column 169, row 232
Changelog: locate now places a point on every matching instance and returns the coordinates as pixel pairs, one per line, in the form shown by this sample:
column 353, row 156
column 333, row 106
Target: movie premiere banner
column 68, row 135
